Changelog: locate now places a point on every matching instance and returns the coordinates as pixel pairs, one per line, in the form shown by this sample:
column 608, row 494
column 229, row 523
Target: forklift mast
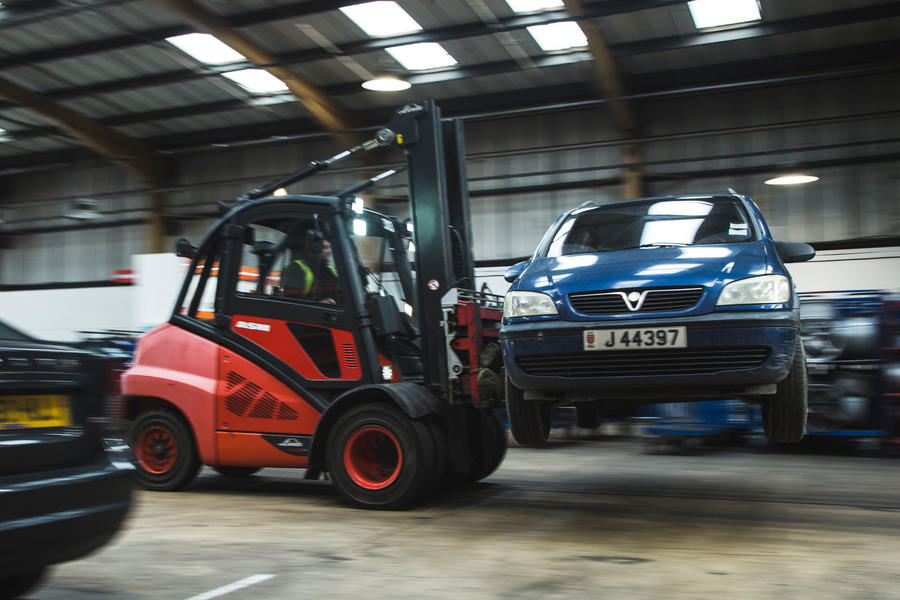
column 439, row 207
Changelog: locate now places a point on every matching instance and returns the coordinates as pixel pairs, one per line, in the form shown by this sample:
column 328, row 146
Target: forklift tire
column 490, row 449
column 379, row 458
column 529, row 422
column 164, row 451
column 784, row 414
column 236, row 472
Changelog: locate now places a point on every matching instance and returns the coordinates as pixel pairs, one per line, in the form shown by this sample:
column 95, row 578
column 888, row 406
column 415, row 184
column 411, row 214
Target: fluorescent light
column 386, row 83
column 420, row 57
column 257, row 81
column 718, row 13
column 792, row 179
column 533, row 6
column 558, row 36
column 381, row 19
column 206, row 48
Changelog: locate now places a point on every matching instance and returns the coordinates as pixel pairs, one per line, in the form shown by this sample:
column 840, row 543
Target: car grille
column 610, row 302
column 626, row 363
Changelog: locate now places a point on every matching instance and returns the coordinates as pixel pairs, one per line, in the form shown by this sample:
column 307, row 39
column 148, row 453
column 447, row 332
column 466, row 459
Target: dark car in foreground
column 64, row 489
column 665, row 299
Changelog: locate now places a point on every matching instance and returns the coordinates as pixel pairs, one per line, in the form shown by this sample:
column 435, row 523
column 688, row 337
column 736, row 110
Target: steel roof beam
column 610, row 85
column 40, row 10
column 129, row 153
column 837, row 18
column 257, row 17
column 648, row 82
column 330, row 114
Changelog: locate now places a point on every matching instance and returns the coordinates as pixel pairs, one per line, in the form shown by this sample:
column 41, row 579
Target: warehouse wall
column 523, row 172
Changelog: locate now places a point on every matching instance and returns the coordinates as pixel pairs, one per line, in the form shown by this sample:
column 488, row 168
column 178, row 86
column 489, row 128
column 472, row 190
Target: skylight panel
column 206, row 48
column 719, row 13
column 558, row 36
column 257, row 81
column 381, row 19
column 533, row 6
column 421, row 57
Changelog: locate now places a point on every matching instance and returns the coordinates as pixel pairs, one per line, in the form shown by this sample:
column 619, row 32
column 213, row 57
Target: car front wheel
column 14, row 587
column 784, row 414
column 529, row 422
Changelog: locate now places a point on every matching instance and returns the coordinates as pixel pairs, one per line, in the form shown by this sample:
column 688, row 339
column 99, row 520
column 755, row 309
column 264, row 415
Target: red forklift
column 311, row 332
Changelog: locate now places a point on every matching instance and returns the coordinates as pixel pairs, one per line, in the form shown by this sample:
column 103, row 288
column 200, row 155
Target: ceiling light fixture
column 558, row 36
column 386, row 83
column 791, row 179
column 206, row 48
column 257, row 81
column 722, row 13
column 381, row 19
column 533, row 6
column 422, row 56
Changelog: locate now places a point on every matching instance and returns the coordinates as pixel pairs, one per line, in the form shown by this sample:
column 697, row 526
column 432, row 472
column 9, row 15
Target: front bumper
column 765, row 342
column 59, row 515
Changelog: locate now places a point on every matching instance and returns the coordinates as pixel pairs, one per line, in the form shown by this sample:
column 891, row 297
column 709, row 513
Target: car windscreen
column 660, row 222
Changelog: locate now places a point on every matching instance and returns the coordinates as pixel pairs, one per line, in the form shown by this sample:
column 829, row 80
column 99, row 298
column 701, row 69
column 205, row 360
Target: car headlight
column 764, row 289
column 528, row 304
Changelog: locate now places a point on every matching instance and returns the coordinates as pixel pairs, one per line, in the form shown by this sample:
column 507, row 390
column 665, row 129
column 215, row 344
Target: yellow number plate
column 29, row 412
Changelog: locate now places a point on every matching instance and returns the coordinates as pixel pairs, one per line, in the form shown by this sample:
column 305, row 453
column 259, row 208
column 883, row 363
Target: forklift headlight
column 360, row 227
column 387, row 373
column 764, row 289
column 528, row 304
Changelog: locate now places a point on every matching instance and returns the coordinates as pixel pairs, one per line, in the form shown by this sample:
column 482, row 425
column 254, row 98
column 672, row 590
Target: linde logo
column 291, row 443
column 407, row 109
column 252, row 326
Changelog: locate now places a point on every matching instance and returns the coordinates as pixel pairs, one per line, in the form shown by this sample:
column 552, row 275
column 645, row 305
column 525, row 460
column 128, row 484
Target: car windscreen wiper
column 656, row 245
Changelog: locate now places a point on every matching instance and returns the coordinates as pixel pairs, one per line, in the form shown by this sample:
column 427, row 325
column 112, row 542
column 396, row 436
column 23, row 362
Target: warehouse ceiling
column 86, row 78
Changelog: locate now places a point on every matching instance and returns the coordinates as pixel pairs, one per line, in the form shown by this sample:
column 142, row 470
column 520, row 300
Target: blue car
column 665, row 299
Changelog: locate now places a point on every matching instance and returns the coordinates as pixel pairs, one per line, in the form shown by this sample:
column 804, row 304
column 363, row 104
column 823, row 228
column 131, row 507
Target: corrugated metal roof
column 110, row 62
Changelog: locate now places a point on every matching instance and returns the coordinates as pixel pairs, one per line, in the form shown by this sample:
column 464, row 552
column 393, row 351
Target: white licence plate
column 641, row 338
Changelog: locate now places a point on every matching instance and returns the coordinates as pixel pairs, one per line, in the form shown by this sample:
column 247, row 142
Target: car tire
column 588, row 415
column 236, row 472
column 529, row 422
column 784, row 414
column 164, row 451
column 489, row 448
column 379, row 458
column 19, row 585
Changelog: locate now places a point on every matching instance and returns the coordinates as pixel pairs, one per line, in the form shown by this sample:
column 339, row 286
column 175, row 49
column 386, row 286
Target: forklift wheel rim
column 157, row 450
column 373, row 457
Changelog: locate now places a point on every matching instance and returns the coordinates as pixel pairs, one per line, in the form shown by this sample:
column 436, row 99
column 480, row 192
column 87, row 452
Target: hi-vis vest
column 308, row 276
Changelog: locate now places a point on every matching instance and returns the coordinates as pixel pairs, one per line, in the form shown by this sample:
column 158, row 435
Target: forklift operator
column 310, row 275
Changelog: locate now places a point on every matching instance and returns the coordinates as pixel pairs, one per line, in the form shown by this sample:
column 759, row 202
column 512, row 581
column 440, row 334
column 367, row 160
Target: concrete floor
column 599, row 518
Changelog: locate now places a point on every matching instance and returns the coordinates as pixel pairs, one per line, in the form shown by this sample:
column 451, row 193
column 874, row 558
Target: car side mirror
column 514, row 271
column 793, row 252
